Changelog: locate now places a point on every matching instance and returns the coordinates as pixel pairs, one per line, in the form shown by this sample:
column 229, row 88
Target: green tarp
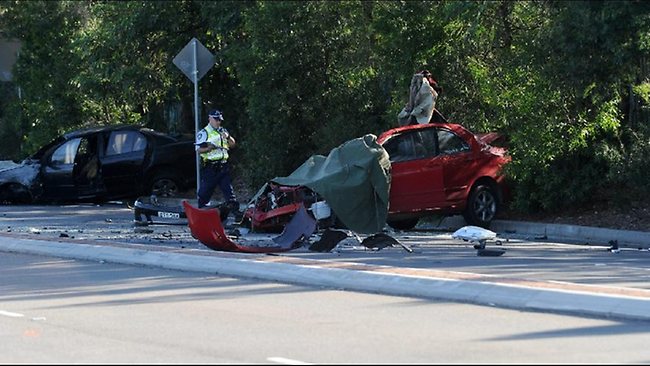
column 353, row 179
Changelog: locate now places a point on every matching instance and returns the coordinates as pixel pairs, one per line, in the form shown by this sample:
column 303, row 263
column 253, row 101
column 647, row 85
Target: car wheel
column 407, row 224
column 481, row 206
column 165, row 185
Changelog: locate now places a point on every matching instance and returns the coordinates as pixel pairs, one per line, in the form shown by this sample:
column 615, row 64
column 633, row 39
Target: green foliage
column 45, row 68
column 10, row 122
column 643, row 91
column 311, row 82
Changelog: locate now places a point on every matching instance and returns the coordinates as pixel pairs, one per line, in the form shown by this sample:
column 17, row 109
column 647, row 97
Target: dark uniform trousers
column 215, row 174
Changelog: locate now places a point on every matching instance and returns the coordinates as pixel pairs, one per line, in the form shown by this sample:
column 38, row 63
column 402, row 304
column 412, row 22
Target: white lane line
column 10, row 314
column 287, row 361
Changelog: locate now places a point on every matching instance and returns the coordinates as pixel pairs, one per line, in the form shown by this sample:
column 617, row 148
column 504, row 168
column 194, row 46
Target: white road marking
column 287, row 361
column 10, row 314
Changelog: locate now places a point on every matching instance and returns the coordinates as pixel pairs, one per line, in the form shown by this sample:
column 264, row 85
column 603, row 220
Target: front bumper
column 166, row 211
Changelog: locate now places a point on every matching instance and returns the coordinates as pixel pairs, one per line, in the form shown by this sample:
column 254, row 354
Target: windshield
column 39, row 154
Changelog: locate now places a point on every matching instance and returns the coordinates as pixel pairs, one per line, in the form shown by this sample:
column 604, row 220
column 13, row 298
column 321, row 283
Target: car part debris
column 613, row 246
column 206, row 227
column 490, row 252
column 300, row 228
column 481, row 236
column 380, row 241
column 328, row 240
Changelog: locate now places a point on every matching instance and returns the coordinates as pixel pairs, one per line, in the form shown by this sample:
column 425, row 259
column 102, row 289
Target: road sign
column 195, row 60
column 185, row 60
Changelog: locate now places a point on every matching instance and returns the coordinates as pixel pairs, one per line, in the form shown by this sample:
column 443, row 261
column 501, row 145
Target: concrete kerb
column 561, row 232
column 576, row 233
column 357, row 279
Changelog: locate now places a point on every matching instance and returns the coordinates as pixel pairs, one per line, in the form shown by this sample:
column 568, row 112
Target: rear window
column 124, row 142
column 449, row 143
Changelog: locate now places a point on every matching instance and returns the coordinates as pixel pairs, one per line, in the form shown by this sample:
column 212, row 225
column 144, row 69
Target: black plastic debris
column 380, row 241
column 328, row 240
column 613, row 246
column 490, row 252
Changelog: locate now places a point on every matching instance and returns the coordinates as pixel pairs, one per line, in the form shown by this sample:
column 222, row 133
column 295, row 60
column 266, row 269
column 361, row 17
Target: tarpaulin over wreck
column 354, row 180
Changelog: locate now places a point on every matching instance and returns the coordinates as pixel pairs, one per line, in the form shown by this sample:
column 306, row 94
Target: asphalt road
column 438, row 266
column 62, row 311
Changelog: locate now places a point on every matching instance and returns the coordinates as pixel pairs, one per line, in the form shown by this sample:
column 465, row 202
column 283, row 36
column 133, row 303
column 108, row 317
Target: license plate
column 169, row 215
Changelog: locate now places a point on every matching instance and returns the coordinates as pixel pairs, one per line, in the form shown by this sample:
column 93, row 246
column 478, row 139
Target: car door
column 87, row 171
column 58, row 171
column 416, row 173
column 458, row 165
column 122, row 162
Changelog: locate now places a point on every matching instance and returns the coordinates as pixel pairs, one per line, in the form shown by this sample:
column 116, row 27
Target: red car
column 435, row 168
column 442, row 168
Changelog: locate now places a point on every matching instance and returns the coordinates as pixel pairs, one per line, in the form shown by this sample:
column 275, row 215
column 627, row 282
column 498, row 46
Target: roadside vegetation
column 567, row 81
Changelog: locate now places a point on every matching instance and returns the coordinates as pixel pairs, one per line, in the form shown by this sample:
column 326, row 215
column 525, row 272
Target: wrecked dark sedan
column 100, row 164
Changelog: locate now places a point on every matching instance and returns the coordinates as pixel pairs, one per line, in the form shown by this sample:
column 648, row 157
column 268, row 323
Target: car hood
column 24, row 173
column 7, row 164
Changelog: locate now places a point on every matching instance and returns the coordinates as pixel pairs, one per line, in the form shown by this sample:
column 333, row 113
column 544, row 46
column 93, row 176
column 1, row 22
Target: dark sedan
column 100, row 164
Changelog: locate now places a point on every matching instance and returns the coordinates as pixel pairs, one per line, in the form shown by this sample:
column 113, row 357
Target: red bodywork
column 275, row 206
column 206, row 227
column 435, row 166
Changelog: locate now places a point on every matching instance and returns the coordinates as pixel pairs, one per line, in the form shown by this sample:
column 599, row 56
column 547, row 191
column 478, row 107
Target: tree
column 45, row 69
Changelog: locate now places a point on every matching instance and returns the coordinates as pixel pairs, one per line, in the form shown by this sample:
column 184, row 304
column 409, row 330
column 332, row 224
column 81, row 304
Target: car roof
column 96, row 129
column 120, row 127
column 397, row 130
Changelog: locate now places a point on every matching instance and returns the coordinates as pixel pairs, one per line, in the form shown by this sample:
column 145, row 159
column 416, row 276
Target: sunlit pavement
column 547, row 270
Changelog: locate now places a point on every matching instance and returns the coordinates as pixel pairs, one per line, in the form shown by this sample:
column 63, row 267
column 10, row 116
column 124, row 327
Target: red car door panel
column 415, row 185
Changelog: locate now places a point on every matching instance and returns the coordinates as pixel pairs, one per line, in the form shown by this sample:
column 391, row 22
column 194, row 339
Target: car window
column 426, row 143
column 408, row 146
column 65, row 153
column 450, row 143
column 123, row 142
column 84, row 147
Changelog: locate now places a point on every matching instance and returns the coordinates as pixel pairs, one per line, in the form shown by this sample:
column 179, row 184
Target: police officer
column 213, row 143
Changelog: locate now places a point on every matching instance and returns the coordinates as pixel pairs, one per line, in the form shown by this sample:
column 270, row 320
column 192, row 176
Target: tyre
column 481, row 207
column 406, row 224
column 165, row 185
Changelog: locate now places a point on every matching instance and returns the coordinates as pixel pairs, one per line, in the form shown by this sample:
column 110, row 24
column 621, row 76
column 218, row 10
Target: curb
column 560, row 232
column 436, row 285
column 576, row 233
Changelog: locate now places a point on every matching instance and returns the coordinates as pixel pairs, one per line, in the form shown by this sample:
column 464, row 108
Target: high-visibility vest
column 217, row 137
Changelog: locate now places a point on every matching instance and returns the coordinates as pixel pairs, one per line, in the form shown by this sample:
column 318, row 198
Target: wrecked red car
column 435, row 169
column 348, row 188
column 442, row 168
column 274, row 206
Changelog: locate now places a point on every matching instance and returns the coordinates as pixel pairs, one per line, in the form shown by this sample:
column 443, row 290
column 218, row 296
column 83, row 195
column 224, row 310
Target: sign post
column 194, row 60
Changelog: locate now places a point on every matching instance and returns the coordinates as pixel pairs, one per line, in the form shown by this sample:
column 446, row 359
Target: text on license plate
column 169, row 215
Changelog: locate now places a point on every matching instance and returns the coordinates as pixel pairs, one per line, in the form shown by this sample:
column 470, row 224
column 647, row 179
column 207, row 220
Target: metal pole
column 196, row 111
